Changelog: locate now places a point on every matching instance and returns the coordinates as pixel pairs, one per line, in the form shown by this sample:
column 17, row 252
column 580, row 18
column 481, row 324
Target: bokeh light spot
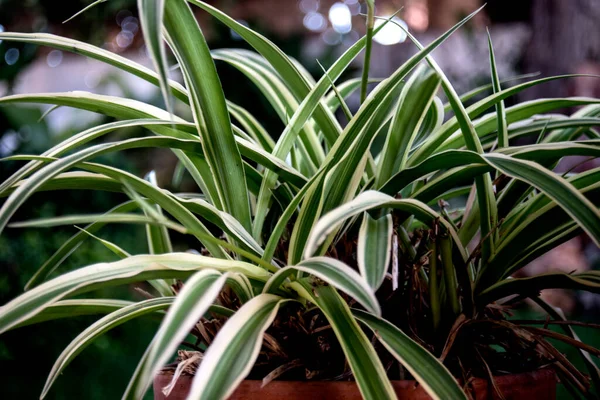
column 391, row 33
column 11, row 56
column 315, row 22
column 54, row 58
column 340, row 17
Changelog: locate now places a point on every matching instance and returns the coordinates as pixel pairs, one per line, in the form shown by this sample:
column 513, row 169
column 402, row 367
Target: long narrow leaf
column 370, row 200
column 192, row 302
column 417, row 95
column 210, row 110
column 151, row 17
column 103, row 325
column 132, row 269
column 366, row 366
column 71, row 245
column 234, row 350
column 352, row 146
column 374, row 248
column 335, row 273
column 588, row 281
column 74, row 308
column 500, row 111
column 437, row 381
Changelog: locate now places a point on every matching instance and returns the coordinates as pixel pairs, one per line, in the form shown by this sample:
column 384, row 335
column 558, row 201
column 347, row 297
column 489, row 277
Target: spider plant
column 342, row 229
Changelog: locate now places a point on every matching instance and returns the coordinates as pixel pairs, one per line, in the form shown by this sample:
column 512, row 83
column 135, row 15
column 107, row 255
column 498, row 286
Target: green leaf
column 191, row 303
column 183, row 141
column 572, row 133
column 415, row 100
column 71, row 245
column 74, row 308
column 97, row 53
column 178, row 208
column 351, row 148
column 333, row 272
column 487, row 124
column 164, row 199
column 151, row 16
column 437, row 381
column 308, row 106
column 465, row 97
column 89, row 218
column 371, row 200
column 134, row 68
column 369, row 46
column 432, row 122
column 132, row 269
column 76, row 141
column 485, row 193
column 344, row 89
column 293, row 77
column 79, row 307
column 500, row 111
column 557, row 188
column 534, row 127
column 252, row 126
column 310, row 212
column 341, row 101
column 374, row 248
column 448, row 136
column 210, row 110
column 103, row 325
column 128, row 109
column 456, row 158
column 364, row 362
column 109, row 245
column 277, row 93
column 285, row 217
column 157, row 236
column 232, row 354
column 588, row 281
column 94, row 4
column 537, row 226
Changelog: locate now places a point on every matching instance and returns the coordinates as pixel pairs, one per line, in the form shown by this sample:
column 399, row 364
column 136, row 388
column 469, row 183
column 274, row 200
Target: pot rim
column 539, row 374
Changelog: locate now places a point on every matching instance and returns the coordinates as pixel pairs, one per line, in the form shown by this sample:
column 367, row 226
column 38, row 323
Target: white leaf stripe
column 559, row 189
column 209, row 109
column 198, row 293
column 132, row 269
column 366, row 366
column 374, row 248
column 370, row 200
column 100, row 327
column 437, row 381
column 151, row 16
column 73, row 308
column 234, row 350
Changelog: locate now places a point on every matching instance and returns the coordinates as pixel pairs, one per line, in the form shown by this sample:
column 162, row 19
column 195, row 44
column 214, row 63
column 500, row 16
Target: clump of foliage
column 329, row 248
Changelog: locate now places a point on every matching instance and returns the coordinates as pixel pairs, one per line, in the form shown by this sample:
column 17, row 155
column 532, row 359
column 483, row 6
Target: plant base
column 533, row 385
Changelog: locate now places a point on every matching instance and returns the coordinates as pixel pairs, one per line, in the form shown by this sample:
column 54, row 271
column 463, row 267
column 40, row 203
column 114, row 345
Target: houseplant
column 298, row 233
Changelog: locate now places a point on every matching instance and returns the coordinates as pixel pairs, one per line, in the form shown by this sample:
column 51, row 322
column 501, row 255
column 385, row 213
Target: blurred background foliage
column 546, row 36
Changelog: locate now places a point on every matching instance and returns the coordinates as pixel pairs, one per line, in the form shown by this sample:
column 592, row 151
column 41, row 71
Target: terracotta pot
column 534, row 385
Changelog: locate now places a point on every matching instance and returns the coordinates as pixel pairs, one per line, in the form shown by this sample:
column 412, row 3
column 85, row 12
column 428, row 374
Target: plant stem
column 449, row 273
column 410, row 250
column 408, row 247
column 369, row 45
column 434, row 296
